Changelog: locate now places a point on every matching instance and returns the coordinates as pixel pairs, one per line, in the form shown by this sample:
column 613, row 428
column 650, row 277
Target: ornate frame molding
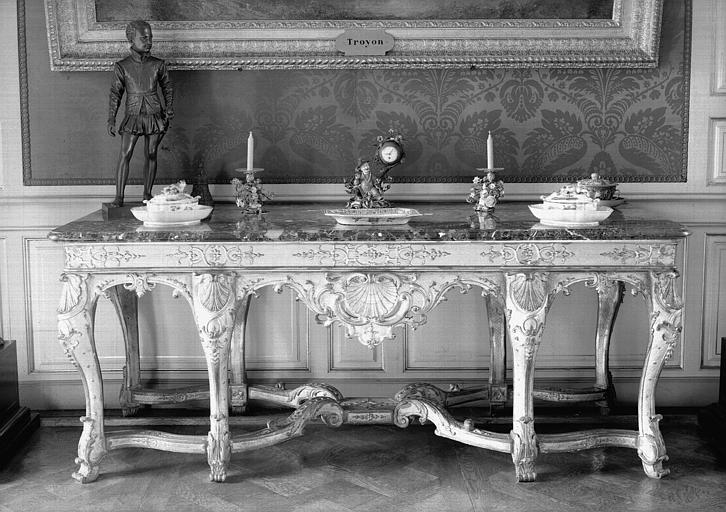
column 78, row 42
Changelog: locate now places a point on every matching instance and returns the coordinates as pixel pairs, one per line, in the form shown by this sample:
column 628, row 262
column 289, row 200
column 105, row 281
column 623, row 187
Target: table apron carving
column 335, row 255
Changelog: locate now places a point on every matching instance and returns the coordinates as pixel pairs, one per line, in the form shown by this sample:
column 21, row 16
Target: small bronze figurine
column 365, row 189
column 370, row 179
column 139, row 75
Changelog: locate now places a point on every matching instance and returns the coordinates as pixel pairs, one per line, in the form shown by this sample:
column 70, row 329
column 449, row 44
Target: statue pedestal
column 111, row 212
column 16, row 422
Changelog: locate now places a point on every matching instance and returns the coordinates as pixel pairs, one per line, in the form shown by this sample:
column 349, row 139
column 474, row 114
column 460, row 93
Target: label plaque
column 364, row 42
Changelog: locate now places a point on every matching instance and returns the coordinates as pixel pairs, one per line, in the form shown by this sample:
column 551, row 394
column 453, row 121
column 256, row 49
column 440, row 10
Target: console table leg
column 125, row 302
column 498, row 357
column 526, row 303
column 237, row 358
column 610, row 294
column 214, row 312
column 665, row 329
column 76, row 313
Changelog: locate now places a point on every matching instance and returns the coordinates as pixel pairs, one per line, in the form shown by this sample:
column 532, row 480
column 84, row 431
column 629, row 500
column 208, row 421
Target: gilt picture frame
column 83, row 36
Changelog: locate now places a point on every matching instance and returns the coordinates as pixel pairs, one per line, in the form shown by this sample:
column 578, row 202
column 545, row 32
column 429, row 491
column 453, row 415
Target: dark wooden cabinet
column 16, row 422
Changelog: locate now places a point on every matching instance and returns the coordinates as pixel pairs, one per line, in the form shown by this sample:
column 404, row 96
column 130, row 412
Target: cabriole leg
column 214, row 311
column 498, row 350
column 237, row 358
column 125, row 303
column 665, row 331
column 610, row 294
column 76, row 313
column 526, row 303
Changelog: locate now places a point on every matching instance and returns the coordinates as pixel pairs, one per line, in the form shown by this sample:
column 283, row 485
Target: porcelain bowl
column 181, row 217
column 187, row 203
column 562, row 217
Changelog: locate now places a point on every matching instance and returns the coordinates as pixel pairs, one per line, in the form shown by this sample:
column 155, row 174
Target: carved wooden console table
column 370, row 280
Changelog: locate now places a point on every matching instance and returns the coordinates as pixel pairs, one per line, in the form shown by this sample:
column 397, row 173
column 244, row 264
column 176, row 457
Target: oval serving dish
column 372, row 216
column 570, row 218
column 185, row 217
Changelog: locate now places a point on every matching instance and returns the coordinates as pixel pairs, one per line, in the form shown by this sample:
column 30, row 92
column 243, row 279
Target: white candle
column 250, row 152
column 490, row 152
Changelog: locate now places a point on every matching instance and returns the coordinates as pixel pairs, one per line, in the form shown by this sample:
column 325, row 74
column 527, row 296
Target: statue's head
column 139, row 34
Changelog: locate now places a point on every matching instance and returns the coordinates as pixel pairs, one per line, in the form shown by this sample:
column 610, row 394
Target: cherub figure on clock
column 370, row 179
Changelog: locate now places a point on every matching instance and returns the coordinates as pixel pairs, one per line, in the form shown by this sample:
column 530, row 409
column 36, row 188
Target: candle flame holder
column 486, row 191
column 249, row 194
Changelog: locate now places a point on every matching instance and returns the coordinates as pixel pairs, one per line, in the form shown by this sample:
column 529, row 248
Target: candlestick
column 490, row 151
column 250, row 152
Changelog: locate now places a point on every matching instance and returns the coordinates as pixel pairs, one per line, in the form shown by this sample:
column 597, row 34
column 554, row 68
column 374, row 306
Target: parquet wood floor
column 370, row 468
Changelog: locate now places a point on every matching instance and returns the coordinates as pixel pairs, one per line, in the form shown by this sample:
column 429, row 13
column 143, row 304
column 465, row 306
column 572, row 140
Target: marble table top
column 290, row 222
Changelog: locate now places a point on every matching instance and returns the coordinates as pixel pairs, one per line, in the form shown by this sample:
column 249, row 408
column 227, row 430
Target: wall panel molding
column 718, row 81
column 714, row 299
column 717, row 151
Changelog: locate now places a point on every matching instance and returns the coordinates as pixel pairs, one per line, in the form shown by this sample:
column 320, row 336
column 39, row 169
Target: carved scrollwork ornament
column 421, row 390
column 326, row 408
column 371, row 304
column 304, row 393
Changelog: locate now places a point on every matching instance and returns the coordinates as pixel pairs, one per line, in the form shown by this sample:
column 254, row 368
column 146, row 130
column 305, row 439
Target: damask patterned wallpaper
column 548, row 125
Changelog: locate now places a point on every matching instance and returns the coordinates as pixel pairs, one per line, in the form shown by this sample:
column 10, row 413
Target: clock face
column 390, row 152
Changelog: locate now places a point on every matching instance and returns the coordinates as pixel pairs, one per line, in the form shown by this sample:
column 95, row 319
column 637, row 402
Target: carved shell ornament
column 214, row 291
column 371, row 296
column 529, row 291
column 73, row 292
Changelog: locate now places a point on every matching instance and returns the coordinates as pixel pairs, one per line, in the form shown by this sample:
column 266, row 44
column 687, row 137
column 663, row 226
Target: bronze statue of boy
column 140, row 76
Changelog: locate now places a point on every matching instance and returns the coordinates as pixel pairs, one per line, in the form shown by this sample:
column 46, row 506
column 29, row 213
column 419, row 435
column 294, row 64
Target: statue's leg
column 75, row 332
column 151, row 146
column 214, row 312
column 128, row 141
column 526, row 303
column 665, row 331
